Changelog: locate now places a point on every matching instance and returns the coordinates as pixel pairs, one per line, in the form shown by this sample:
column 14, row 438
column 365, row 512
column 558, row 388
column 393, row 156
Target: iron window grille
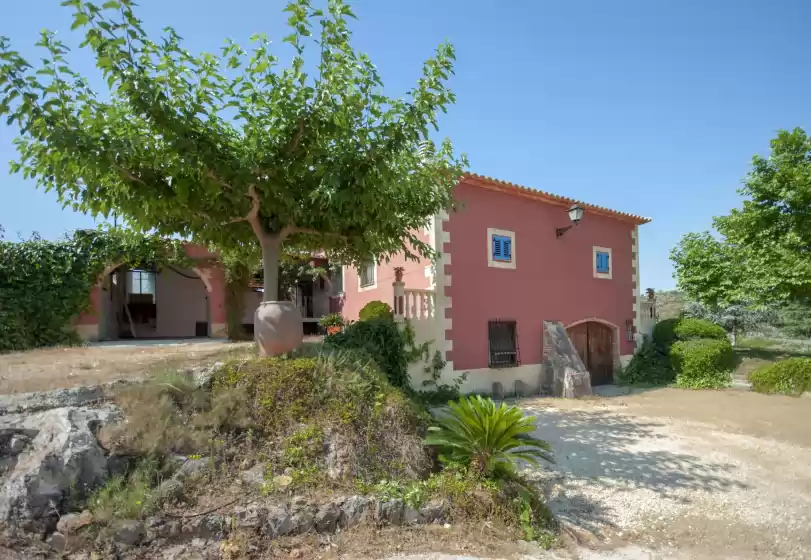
column 502, row 338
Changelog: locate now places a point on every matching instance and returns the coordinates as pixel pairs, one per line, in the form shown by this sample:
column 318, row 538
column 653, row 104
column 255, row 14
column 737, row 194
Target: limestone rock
column 192, row 468
column 254, row 477
column 569, row 376
column 128, row 531
column 17, row 443
column 205, row 526
column 61, row 456
column 354, row 510
column 18, row 403
column 327, row 517
column 71, row 522
column 203, row 376
column 250, row 516
column 434, row 511
column 279, row 522
column 58, row 541
column 410, row 515
column 389, row 512
column 304, row 520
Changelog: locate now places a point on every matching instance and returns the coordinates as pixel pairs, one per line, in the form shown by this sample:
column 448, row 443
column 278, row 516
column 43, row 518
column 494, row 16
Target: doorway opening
column 594, row 342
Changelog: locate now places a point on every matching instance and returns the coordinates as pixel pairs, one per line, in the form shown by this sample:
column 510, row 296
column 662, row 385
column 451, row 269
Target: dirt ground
column 682, row 474
column 57, row 368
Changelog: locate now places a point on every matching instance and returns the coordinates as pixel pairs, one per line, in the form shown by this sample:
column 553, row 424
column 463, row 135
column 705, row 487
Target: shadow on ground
column 617, row 453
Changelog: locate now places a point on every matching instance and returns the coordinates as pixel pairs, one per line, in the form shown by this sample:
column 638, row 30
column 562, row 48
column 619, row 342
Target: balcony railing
column 420, row 304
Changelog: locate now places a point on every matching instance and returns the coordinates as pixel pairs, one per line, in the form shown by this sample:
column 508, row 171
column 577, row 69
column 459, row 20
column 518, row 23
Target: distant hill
column 669, row 304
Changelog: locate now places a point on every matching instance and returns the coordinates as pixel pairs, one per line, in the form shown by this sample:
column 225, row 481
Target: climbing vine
column 44, row 285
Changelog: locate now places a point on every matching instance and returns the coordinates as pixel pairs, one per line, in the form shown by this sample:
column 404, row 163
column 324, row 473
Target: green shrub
column 690, row 328
column 664, row 334
column 787, row 377
column 332, row 320
column 650, row 365
column 380, row 339
column 130, row 497
column 376, row 310
column 702, row 364
column 487, row 438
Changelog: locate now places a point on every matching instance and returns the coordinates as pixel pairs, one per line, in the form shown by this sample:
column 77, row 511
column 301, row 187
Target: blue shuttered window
column 603, row 266
column 502, row 248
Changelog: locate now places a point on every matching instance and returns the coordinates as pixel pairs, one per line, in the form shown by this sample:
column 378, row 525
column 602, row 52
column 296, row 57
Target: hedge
column 664, row 333
column 702, row 364
column 650, row 366
column 788, row 377
column 690, row 328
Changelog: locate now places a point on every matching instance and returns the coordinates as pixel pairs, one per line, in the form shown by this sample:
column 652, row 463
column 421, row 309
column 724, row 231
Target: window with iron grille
column 367, row 275
column 502, row 339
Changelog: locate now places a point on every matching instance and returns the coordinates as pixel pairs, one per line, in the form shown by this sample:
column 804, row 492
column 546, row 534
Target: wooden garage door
column 593, row 343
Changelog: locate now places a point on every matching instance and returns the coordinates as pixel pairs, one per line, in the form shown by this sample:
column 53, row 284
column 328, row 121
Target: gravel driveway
column 684, row 474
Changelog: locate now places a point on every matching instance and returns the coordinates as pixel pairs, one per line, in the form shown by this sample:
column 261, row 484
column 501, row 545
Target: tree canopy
column 232, row 148
column 763, row 254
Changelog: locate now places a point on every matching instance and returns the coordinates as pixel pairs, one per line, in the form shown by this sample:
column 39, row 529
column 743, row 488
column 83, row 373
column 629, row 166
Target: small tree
column 232, row 149
column 762, row 254
column 735, row 319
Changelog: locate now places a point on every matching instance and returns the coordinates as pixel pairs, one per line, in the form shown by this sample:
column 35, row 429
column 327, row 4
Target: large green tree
column 763, row 253
column 233, row 149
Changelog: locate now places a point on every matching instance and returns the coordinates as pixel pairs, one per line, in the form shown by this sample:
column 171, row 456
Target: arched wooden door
column 593, row 342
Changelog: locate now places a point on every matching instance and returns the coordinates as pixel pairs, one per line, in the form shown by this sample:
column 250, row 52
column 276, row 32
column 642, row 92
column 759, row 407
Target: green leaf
column 78, row 20
column 111, row 5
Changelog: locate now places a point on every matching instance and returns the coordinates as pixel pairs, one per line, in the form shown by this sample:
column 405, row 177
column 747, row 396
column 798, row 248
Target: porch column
column 399, row 301
column 214, row 279
column 87, row 323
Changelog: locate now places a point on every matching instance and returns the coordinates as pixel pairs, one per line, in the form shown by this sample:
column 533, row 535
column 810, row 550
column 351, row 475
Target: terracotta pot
column 333, row 329
column 278, row 328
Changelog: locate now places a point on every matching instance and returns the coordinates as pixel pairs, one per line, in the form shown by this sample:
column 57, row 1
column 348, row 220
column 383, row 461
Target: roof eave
column 490, row 183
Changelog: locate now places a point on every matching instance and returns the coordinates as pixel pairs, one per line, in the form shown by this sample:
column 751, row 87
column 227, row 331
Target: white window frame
column 602, row 275
column 373, row 285
column 492, row 263
column 140, row 273
column 333, row 291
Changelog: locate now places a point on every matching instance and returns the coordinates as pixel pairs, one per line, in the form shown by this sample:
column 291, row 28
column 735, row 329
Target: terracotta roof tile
column 512, row 188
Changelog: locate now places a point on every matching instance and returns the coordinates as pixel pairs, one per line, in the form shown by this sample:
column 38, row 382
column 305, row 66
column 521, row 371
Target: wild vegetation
column 317, row 426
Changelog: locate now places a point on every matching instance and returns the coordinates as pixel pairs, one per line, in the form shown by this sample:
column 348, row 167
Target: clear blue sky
column 649, row 106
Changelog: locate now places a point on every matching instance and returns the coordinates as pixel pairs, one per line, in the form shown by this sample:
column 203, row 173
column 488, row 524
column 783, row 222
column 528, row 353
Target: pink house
column 503, row 271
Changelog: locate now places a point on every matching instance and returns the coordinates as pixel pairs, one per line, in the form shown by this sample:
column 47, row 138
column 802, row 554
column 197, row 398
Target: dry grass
column 59, row 368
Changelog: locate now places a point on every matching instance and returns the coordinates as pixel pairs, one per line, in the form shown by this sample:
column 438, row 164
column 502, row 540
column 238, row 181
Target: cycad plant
column 486, row 437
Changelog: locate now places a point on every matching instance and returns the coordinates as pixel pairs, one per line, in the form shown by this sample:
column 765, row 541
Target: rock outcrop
column 46, row 455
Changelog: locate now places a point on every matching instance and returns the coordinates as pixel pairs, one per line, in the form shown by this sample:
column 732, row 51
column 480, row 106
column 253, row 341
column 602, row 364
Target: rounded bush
column 649, row 366
column 375, row 310
column 787, row 377
column 664, row 333
column 702, row 364
column 382, row 341
column 690, row 328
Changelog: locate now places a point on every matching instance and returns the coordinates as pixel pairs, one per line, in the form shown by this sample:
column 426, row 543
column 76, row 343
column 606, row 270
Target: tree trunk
column 734, row 335
column 271, row 251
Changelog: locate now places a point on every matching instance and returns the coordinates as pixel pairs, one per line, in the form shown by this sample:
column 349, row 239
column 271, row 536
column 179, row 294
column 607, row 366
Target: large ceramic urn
column 277, row 327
